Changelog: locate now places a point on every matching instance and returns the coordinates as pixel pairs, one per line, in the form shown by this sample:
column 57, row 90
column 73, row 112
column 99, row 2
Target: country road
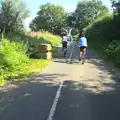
column 65, row 90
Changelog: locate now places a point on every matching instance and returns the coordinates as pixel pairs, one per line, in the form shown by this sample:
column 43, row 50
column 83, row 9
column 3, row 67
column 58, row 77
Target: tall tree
column 116, row 7
column 50, row 17
column 116, row 18
column 71, row 19
column 12, row 14
column 87, row 11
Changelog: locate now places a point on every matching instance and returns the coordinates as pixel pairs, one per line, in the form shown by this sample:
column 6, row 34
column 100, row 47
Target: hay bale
column 47, row 55
column 44, row 48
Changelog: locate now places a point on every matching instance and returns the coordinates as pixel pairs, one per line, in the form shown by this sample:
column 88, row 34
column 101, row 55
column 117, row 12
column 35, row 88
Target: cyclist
column 64, row 41
column 71, row 38
column 83, row 45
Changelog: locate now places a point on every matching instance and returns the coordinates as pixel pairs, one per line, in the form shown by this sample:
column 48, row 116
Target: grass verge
column 15, row 63
column 34, row 66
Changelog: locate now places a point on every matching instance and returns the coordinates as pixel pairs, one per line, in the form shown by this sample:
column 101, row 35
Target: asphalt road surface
column 65, row 90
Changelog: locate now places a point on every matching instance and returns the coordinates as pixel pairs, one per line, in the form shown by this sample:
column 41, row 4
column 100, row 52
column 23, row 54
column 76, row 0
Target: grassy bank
column 14, row 56
column 54, row 40
column 32, row 67
column 44, row 37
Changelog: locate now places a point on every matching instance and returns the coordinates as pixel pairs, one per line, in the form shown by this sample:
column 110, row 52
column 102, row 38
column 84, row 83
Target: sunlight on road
column 95, row 78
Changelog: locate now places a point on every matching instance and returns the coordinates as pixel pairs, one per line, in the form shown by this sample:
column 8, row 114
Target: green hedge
column 101, row 35
column 112, row 52
column 12, row 55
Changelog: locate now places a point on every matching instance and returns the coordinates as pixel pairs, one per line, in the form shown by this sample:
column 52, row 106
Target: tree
column 87, row 11
column 71, row 19
column 116, row 7
column 116, row 18
column 75, row 31
column 12, row 14
column 50, row 17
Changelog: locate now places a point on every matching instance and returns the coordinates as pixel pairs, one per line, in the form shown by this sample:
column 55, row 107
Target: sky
column 69, row 6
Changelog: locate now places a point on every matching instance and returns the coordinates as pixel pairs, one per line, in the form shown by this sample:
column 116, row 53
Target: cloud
column 69, row 8
column 27, row 22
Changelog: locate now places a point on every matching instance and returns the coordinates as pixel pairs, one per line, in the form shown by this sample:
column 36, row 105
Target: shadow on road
column 90, row 99
column 62, row 60
column 31, row 99
column 111, row 83
column 84, row 104
column 105, row 68
column 100, row 95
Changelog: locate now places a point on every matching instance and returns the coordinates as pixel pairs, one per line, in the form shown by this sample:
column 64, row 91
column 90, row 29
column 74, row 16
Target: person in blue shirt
column 71, row 38
column 83, row 45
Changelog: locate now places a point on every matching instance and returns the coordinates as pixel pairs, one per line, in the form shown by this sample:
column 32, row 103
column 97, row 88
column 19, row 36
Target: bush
column 103, row 36
column 12, row 55
column 113, row 52
column 112, row 49
column 101, row 27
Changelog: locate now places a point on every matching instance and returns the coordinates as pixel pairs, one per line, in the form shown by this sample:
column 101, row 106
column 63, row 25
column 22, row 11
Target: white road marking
column 71, row 53
column 52, row 111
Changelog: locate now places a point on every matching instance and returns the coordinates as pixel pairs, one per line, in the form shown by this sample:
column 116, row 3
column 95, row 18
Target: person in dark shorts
column 83, row 45
column 64, row 41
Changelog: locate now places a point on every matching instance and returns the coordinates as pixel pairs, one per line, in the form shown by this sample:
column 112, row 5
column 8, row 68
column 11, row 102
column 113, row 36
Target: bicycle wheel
column 65, row 52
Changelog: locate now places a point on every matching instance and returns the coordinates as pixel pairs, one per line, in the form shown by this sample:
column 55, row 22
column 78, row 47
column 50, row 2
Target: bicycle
column 64, row 51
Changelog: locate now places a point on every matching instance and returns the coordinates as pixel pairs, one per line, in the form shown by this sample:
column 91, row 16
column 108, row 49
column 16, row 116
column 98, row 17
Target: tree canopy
column 12, row 14
column 50, row 17
column 53, row 18
column 87, row 11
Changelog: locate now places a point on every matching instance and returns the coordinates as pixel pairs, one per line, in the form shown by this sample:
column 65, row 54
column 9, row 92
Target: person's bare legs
column 82, row 54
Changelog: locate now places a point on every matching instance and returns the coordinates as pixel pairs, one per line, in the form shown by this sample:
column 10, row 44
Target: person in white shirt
column 64, row 41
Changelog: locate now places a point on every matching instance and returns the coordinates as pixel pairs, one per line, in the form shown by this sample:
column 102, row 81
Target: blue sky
column 69, row 5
